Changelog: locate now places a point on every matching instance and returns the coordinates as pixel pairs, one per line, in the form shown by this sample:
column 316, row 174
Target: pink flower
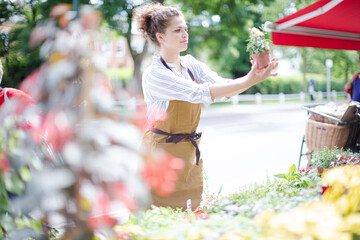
column 185, row 216
column 27, row 85
column 120, row 192
column 101, row 221
column 305, row 170
column 140, row 118
column 99, row 215
column 55, row 129
column 161, row 175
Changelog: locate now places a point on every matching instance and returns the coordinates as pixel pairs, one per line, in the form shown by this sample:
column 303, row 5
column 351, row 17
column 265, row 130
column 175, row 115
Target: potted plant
column 258, row 47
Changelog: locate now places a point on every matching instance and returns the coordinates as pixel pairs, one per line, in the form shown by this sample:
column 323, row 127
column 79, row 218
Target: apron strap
column 175, row 138
column 167, row 66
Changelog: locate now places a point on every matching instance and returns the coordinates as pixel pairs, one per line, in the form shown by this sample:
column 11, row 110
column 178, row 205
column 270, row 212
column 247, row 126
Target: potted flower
column 258, row 47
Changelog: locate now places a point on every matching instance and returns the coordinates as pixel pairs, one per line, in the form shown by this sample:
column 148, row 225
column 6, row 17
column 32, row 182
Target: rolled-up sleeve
column 161, row 84
column 203, row 73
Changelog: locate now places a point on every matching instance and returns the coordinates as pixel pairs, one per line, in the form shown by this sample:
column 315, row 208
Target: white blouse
column 160, row 85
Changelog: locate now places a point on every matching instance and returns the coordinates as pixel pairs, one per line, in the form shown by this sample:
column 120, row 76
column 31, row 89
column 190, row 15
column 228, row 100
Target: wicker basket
column 319, row 118
column 318, row 135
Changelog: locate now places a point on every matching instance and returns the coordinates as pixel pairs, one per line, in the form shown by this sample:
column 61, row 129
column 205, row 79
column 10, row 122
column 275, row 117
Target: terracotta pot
column 262, row 59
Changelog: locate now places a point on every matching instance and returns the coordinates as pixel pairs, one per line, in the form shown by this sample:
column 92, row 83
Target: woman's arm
column 241, row 84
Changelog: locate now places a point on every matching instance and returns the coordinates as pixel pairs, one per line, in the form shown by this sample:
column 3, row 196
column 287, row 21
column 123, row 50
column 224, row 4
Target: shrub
column 294, row 84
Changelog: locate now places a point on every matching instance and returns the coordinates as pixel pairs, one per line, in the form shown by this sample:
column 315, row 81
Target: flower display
column 278, row 210
column 346, row 160
column 72, row 159
column 79, row 161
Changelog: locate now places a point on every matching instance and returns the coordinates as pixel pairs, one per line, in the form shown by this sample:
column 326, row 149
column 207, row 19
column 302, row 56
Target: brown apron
column 182, row 119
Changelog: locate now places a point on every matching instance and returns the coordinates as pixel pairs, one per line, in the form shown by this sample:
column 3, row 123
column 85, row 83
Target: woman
column 178, row 85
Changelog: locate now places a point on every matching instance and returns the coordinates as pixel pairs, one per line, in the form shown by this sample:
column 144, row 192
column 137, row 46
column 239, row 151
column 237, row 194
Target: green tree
column 219, row 30
column 119, row 16
column 19, row 59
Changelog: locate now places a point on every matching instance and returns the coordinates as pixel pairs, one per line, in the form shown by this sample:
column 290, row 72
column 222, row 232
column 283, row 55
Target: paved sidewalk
column 248, row 143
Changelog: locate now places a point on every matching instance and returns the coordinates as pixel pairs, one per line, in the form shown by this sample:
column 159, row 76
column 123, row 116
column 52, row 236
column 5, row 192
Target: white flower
column 256, row 32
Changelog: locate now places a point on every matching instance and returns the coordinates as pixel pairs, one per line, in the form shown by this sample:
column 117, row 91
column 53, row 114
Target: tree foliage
column 19, row 59
column 218, row 33
column 219, row 30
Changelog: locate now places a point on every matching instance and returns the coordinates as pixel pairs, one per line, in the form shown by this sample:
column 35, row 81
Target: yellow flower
column 235, row 236
column 335, row 177
column 343, row 204
column 196, row 234
column 319, row 220
column 331, row 194
column 256, row 32
column 264, row 217
column 353, row 174
column 351, row 223
column 84, row 203
column 55, row 57
column 127, row 229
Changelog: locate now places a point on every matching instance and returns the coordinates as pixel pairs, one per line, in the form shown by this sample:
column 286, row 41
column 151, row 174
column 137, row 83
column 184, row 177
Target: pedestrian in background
column 353, row 87
column 311, row 89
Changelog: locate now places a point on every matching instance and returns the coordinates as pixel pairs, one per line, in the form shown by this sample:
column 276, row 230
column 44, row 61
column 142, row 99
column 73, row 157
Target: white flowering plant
column 258, row 41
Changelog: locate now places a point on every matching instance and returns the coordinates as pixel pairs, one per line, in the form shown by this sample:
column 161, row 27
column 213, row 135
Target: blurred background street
column 247, row 143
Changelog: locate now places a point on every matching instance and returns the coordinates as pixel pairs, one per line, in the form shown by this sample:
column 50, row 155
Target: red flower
column 305, row 170
column 34, row 79
column 55, row 129
column 324, row 188
column 185, row 216
column 119, row 191
column 24, row 126
column 201, row 214
column 161, row 175
column 4, row 164
column 99, row 216
column 140, row 118
column 101, row 221
column 123, row 236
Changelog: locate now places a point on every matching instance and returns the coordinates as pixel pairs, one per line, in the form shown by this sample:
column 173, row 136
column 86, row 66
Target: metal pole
column 328, row 87
column 329, row 64
column 76, row 7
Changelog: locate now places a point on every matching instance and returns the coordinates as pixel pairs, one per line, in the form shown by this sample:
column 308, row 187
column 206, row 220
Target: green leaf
column 25, row 174
column 4, row 199
column 281, row 175
column 292, row 169
column 14, row 184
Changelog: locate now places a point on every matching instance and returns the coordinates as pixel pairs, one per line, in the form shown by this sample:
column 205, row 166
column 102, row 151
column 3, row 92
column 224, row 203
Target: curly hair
column 152, row 18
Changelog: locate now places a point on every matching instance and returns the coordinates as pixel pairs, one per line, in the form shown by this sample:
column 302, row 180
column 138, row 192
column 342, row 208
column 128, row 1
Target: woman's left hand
column 262, row 74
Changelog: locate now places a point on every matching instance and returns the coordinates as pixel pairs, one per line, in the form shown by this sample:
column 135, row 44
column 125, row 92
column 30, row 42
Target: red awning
column 331, row 24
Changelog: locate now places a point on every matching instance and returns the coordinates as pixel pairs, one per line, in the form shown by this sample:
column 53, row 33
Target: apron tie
column 175, row 138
